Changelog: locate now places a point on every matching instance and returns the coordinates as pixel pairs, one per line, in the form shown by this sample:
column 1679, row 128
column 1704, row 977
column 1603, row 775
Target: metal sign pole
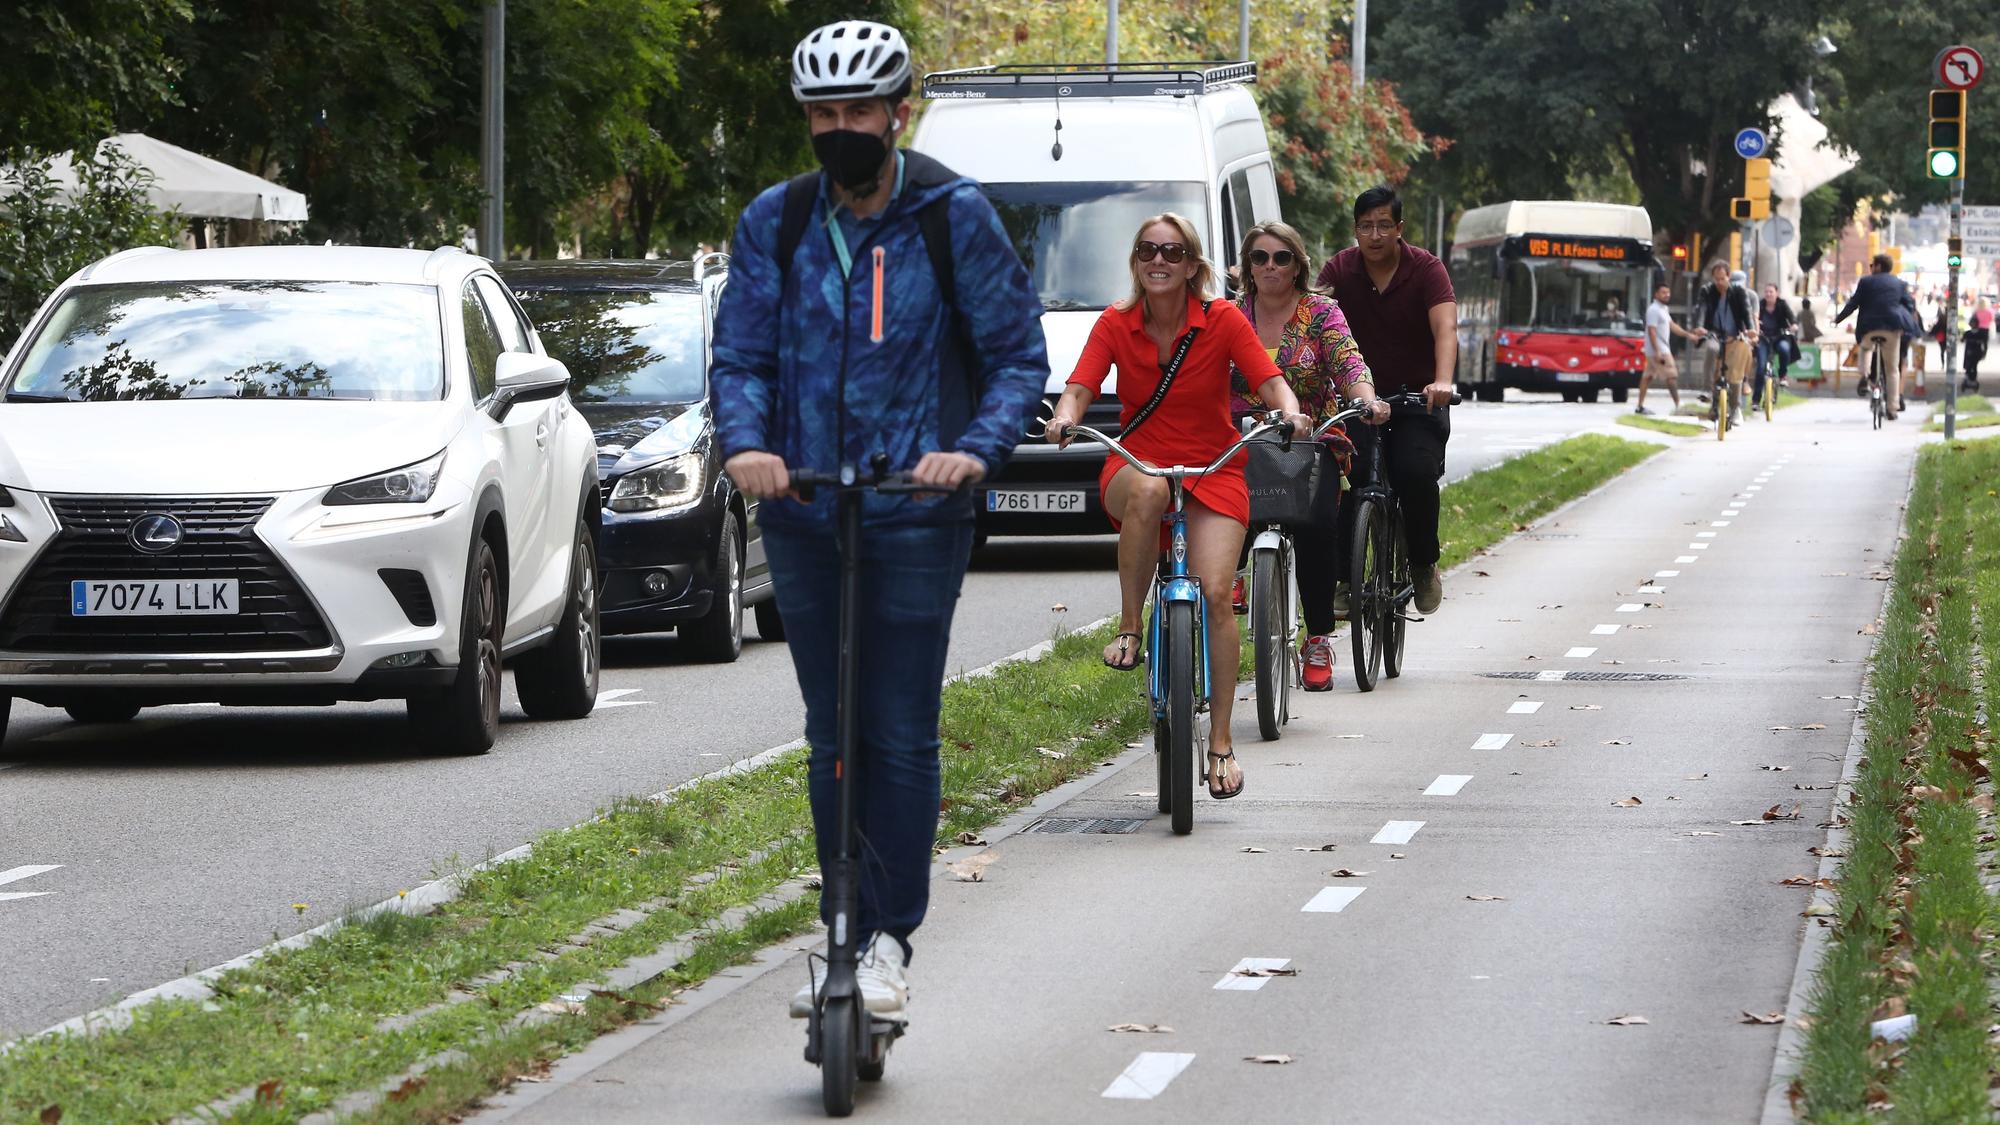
column 493, row 134
column 1951, row 314
column 1110, row 31
column 1360, row 43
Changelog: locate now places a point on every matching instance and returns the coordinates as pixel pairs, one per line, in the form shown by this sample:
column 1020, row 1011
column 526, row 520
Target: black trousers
column 1413, row 455
column 1317, row 549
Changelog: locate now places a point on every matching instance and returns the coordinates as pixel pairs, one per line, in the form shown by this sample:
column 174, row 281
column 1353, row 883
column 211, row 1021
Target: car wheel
column 103, row 711
column 465, row 717
column 6, row 712
column 770, row 625
column 718, row 636
column 1620, row 394
column 559, row 680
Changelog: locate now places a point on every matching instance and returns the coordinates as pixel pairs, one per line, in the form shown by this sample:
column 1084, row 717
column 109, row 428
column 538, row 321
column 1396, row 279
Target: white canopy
column 198, row 186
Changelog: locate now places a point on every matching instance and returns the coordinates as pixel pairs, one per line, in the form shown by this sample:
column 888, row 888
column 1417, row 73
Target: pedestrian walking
column 1727, row 318
column 1808, row 323
column 1660, row 330
column 835, row 345
column 1976, row 340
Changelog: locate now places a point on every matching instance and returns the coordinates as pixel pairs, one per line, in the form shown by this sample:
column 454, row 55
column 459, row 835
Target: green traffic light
column 1953, row 261
column 1944, row 163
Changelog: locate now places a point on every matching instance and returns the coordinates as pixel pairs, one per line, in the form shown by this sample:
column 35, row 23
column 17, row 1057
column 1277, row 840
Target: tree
column 73, row 68
column 1541, row 95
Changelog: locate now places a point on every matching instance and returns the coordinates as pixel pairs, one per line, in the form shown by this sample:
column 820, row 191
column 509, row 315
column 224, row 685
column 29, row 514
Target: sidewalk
column 1641, row 643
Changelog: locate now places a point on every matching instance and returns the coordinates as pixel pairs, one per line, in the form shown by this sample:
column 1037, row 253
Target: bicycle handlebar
column 807, row 482
column 1179, row 471
column 1408, row 400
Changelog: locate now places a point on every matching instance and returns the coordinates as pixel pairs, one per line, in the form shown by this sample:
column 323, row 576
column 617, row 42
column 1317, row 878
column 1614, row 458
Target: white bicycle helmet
column 851, row 59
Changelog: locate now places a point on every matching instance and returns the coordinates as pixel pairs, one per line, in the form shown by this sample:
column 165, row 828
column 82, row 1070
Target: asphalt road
column 181, row 840
column 1553, row 820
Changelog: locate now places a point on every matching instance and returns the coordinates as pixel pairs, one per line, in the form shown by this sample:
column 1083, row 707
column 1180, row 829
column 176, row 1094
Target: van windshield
column 1076, row 238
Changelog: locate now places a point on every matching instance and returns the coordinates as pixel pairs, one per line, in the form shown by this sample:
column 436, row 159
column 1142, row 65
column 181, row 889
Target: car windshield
column 1076, row 238
column 1588, row 298
column 624, row 345
column 237, row 339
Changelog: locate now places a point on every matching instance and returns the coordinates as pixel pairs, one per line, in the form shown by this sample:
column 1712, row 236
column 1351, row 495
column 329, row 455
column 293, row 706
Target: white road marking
column 1754, row 488
column 1148, row 1075
column 1493, row 742
column 616, row 698
column 27, row 871
column 1603, row 630
column 1580, row 652
column 1704, row 535
column 1550, row 676
column 1331, row 900
column 1718, row 523
column 1524, row 707
column 1666, row 574
column 1235, row 981
column 1448, row 785
column 1685, row 559
column 1630, row 607
column 1729, row 513
column 1698, row 546
column 1651, row 590
column 1397, row 832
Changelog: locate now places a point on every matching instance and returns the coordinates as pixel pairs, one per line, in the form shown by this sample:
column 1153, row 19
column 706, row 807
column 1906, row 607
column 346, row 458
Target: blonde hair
column 1285, row 233
column 1201, row 285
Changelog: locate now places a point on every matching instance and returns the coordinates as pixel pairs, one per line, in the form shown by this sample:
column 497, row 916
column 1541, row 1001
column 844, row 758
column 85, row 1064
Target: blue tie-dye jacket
column 808, row 366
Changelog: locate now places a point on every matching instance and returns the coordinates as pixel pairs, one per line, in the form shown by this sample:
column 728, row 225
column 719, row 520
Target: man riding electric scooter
column 877, row 324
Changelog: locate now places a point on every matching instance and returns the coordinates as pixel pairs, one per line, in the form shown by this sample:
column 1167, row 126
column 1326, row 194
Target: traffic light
column 1755, row 202
column 1680, row 257
column 1954, row 253
column 1946, row 158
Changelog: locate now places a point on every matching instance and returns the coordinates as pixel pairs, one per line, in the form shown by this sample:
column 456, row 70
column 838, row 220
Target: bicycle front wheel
column 1180, row 680
column 1268, row 641
column 1400, row 580
column 1722, row 412
column 1368, row 577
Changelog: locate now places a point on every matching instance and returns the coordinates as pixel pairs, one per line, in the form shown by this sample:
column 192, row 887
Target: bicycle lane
column 1504, row 901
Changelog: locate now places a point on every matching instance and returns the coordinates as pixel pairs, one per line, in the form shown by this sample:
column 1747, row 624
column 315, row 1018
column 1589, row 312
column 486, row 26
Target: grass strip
column 1662, row 425
column 1974, row 412
column 309, row 1024
column 1911, row 915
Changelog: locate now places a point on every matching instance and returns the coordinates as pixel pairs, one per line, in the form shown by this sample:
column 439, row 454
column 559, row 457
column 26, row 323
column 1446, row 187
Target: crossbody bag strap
column 1166, row 378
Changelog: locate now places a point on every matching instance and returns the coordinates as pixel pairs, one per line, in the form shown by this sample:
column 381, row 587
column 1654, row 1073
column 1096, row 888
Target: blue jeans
column 910, row 580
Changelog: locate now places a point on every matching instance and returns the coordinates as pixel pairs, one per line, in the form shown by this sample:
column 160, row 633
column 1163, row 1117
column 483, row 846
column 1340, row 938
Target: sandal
column 1131, row 650
column 1213, row 773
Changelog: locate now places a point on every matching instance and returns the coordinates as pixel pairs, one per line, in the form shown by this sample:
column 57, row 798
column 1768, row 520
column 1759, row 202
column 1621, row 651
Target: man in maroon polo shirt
column 1404, row 315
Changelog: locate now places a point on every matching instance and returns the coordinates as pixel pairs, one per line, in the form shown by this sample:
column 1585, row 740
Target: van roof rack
column 1088, row 80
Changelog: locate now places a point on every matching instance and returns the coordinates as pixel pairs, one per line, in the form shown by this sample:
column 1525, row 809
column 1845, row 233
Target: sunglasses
column 1280, row 259
column 1173, row 252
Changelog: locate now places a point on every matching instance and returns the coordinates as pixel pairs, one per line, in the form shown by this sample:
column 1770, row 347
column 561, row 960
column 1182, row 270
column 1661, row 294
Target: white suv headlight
column 674, row 483
column 411, row 484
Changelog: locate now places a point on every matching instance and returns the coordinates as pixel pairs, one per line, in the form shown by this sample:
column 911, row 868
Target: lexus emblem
column 155, row 534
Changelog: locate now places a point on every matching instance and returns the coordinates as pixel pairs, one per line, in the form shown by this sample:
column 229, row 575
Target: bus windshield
column 1589, row 298
column 1076, row 237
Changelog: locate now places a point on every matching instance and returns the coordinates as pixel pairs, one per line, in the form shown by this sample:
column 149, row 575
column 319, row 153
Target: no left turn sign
column 1959, row 68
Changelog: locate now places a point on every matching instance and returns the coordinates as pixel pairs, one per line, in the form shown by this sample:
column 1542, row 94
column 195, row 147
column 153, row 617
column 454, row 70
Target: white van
column 1134, row 140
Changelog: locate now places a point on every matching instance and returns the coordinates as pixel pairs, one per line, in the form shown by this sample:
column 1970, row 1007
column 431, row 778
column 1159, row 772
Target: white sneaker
column 802, row 1000
column 884, row 987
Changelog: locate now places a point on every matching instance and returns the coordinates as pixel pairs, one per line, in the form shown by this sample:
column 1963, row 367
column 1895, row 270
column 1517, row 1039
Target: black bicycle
column 1380, row 584
column 843, row 1039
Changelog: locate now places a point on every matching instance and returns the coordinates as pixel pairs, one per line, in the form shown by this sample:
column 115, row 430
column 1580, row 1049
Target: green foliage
column 48, row 232
column 72, row 68
column 1823, row 214
column 1332, row 142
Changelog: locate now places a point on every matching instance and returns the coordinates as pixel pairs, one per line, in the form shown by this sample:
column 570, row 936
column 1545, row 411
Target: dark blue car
column 680, row 547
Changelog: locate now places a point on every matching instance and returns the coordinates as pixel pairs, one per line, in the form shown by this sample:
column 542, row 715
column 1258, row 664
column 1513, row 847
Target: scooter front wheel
column 839, row 1039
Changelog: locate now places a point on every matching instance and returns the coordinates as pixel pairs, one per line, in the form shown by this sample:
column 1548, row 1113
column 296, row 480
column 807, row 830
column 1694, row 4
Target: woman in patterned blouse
column 1307, row 335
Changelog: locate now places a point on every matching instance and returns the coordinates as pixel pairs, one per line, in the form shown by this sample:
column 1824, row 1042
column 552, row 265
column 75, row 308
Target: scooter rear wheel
column 839, row 1039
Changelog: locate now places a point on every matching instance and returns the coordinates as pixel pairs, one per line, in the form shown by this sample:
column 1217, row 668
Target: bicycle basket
column 1282, row 482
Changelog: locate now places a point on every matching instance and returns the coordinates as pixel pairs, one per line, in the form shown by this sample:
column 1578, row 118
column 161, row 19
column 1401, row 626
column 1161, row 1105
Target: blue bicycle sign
column 1751, row 143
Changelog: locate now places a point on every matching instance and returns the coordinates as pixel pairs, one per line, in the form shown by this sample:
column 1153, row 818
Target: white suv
column 281, row 475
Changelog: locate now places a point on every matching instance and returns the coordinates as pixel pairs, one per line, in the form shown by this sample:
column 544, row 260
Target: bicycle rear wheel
column 1268, row 641
column 1400, row 579
column 1180, row 679
column 1368, row 578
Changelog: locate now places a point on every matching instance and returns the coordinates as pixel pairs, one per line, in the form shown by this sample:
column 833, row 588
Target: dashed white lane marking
column 26, row 871
column 1698, row 546
column 1651, row 590
column 1685, row 559
column 1448, row 785
column 616, row 698
column 1580, row 652
column 1603, row 630
column 1331, row 900
column 1550, row 677
column 1148, row 1075
column 1704, row 535
column 1729, row 513
column 1524, row 707
column 1237, row 980
column 1666, row 574
column 1397, row 832
column 1630, row 607
column 1754, row 488
column 1718, row 523
column 1493, row 742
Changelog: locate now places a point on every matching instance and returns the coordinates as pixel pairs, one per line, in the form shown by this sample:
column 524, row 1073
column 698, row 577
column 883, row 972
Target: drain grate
column 1073, row 825
column 1600, row 677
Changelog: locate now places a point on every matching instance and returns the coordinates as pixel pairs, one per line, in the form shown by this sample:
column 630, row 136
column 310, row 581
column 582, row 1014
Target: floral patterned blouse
column 1317, row 355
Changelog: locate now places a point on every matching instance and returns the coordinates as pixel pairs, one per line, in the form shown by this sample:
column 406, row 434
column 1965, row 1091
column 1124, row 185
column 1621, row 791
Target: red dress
column 1191, row 426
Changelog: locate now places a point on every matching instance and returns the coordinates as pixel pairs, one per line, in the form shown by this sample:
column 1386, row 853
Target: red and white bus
column 1552, row 296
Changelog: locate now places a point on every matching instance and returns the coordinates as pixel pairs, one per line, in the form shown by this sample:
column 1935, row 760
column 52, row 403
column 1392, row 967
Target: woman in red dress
column 1172, row 287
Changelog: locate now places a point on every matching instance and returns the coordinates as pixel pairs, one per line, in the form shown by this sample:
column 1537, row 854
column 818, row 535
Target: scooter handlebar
column 807, row 483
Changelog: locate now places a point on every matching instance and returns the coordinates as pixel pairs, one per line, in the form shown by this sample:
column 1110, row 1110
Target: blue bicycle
column 1177, row 637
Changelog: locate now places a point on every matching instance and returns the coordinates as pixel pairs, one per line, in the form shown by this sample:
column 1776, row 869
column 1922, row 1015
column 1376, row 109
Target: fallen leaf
column 1628, row 803
column 1053, row 755
column 1484, row 898
column 1774, row 769
column 1398, row 855
column 1868, row 630
column 51, row 1115
column 1695, row 777
column 1814, row 726
column 1544, row 742
column 1585, row 707
column 1287, row 972
column 1321, row 848
column 1142, row 793
column 1481, row 574
column 1611, row 662
column 1133, row 745
column 971, row 839
column 1272, row 1060
column 973, row 868
column 1618, row 742
column 1776, row 812
column 1796, row 881
column 1747, row 823
column 1142, row 1028
column 1344, row 873
column 1817, row 910
column 1252, row 850
column 1767, row 1017
column 1350, row 736
column 1058, row 608
column 1829, row 853
column 1627, row 1021
column 1701, row 833
column 1781, row 728
column 1812, row 787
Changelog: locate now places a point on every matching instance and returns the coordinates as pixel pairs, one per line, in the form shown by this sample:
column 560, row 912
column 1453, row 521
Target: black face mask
column 853, row 159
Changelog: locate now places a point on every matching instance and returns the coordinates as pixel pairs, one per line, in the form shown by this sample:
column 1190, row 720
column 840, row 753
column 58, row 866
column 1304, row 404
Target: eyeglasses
column 1280, row 259
column 1375, row 228
column 1173, row 252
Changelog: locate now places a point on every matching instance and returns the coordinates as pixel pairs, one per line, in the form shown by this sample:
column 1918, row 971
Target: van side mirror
column 525, row 377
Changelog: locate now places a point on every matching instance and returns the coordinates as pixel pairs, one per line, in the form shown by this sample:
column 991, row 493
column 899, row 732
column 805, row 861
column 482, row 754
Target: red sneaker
column 1318, row 673
column 1239, row 600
